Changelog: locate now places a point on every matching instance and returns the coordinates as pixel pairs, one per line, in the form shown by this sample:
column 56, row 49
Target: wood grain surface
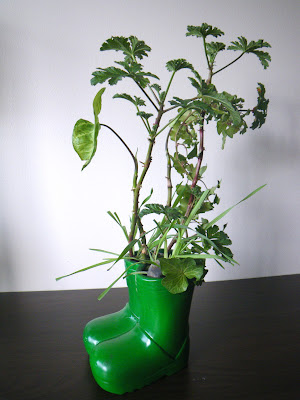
column 245, row 344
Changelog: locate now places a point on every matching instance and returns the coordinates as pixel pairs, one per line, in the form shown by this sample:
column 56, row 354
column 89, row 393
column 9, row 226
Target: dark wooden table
column 245, row 344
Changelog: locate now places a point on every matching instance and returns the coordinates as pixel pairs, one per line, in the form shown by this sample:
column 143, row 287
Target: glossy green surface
column 157, row 345
column 116, row 324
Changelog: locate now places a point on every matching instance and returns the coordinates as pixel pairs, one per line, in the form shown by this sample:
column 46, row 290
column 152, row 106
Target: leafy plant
column 179, row 241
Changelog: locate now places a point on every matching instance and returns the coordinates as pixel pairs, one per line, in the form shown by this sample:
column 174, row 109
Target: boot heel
column 181, row 360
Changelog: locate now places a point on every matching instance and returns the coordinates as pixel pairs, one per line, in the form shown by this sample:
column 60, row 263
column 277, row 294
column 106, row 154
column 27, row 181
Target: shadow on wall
column 275, row 157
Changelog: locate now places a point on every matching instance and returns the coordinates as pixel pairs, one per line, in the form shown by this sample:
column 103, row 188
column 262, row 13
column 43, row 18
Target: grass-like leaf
column 206, row 226
column 87, row 268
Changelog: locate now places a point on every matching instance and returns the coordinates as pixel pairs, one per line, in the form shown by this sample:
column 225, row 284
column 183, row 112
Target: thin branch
column 122, row 141
column 148, row 97
column 221, row 69
column 169, row 109
column 154, row 94
column 169, row 169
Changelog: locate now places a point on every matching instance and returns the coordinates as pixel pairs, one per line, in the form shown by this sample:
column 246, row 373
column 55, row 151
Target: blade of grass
column 86, row 268
column 206, row 226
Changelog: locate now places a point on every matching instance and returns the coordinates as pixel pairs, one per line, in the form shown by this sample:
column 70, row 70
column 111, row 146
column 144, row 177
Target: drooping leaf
column 85, row 133
column 82, row 139
column 176, row 65
column 203, row 31
column 261, row 109
column 137, row 101
column 144, row 114
column 222, row 99
column 113, row 75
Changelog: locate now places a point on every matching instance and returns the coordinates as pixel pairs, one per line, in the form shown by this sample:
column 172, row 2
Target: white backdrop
column 51, row 213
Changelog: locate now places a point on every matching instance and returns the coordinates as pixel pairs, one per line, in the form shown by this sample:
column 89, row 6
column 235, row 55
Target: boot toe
column 107, row 327
column 128, row 362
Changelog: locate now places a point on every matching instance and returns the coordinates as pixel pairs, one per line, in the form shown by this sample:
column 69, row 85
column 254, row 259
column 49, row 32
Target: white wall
column 51, row 213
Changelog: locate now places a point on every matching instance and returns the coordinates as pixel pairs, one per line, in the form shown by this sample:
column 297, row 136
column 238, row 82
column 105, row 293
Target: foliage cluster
column 179, row 238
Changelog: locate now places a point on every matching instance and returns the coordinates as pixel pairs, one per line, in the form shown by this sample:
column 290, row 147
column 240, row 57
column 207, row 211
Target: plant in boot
column 171, row 255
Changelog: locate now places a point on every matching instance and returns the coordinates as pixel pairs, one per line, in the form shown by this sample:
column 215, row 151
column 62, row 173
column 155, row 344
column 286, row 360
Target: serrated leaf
column 144, row 114
column 213, row 48
column 176, row 65
column 260, row 111
column 253, row 47
column 170, row 212
column 131, row 47
column 203, row 31
column 111, row 74
column 137, row 101
column 139, row 47
column 221, row 98
column 156, row 87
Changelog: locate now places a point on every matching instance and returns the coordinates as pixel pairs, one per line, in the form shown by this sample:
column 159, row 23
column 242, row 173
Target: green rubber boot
column 157, row 345
column 113, row 325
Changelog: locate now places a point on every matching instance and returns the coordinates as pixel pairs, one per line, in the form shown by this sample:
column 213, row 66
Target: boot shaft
column 134, row 302
column 164, row 316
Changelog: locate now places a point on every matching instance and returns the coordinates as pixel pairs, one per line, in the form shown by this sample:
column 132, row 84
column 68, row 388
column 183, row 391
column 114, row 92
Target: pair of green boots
column 144, row 341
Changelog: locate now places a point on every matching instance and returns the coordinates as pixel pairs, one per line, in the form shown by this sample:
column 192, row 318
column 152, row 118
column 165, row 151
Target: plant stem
column 136, row 190
column 148, row 97
column 125, row 144
column 221, row 69
column 169, row 168
column 168, row 87
column 199, row 162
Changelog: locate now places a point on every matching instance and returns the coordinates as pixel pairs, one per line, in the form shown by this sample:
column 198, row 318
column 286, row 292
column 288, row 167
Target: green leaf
column 137, row 101
column 113, row 283
column 253, row 47
column 222, row 99
column 170, row 212
column 82, row 139
column 156, row 87
column 116, row 218
column 87, row 268
column 139, row 48
column 131, row 47
column 85, row 133
column 208, row 225
column 97, row 103
column 260, row 111
column 177, row 272
column 147, row 198
column 203, row 31
column 104, row 251
column 144, row 114
column 112, row 74
column 176, row 65
column 212, row 49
